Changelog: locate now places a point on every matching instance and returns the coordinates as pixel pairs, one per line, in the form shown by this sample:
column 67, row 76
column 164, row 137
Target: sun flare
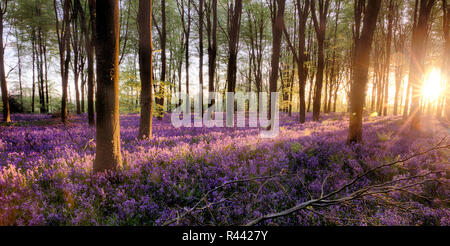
column 432, row 87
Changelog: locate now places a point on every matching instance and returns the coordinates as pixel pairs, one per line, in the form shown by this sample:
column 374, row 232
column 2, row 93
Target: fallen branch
column 437, row 147
column 203, row 199
column 323, row 200
column 75, row 142
column 366, row 191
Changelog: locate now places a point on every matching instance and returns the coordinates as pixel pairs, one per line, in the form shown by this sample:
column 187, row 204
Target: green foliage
column 129, row 89
column 385, row 136
column 25, row 17
column 296, row 147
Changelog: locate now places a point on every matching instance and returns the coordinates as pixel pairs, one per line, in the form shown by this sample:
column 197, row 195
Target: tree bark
column 76, row 41
column 257, row 50
column 108, row 156
column 162, row 87
column 300, row 57
column 234, row 16
column 211, row 27
column 40, row 51
column 4, row 86
column 446, row 28
column 399, row 45
column 416, row 72
column 187, row 32
column 200, row 37
column 89, row 42
column 361, row 61
column 90, row 49
column 145, row 65
column 277, row 32
column 19, row 64
column 320, row 25
column 388, row 55
column 46, row 78
column 63, row 36
column 33, row 38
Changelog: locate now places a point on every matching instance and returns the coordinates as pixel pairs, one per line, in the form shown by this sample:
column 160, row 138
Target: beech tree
column 334, row 70
column 320, row 26
column 361, row 60
column 63, row 35
column 108, row 154
column 257, row 27
column 400, row 39
column 78, row 59
column 234, row 20
column 145, row 65
column 416, row 69
column 387, row 62
column 277, row 11
column 162, row 32
column 200, row 48
column 186, row 22
column 446, row 62
column 19, row 64
column 316, row 54
column 40, row 50
column 5, row 100
column 211, row 29
column 303, row 9
column 89, row 47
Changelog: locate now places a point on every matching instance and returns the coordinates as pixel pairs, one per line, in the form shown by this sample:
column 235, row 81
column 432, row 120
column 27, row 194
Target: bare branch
column 365, row 191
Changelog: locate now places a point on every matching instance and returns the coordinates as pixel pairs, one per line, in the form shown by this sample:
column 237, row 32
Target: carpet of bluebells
column 46, row 174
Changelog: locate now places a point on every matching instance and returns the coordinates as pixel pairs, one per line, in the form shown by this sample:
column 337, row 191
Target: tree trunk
column 446, row 62
column 46, row 78
column 258, row 53
column 33, row 37
column 65, row 78
column 89, row 46
column 19, row 65
column 398, row 83
column 416, row 73
column 363, row 43
column 90, row 49
column 320, row 25
column 277, row 32
column 5, row 99
column 291, row 89
column 212, row 47
column 388, row 56
column 108, row 154
column 145, row 65
column 310, row 57
column 76, row 41
column 40, row 51
column 83, row 95
column 399, row 45
column 63, row 36
column 200, row 37
column 334, row 73
column 335, row 98
column 162, row 87
column 233, row 43
column 187, row 31
column 301, row 68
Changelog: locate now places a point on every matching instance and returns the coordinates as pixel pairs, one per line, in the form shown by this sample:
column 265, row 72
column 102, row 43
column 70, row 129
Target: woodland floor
column 224, row 176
